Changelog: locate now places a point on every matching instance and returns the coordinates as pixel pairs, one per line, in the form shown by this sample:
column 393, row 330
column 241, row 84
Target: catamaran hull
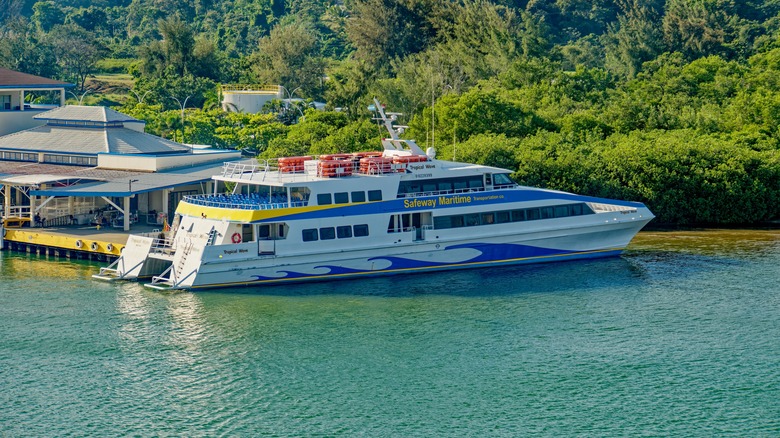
column 594, row 241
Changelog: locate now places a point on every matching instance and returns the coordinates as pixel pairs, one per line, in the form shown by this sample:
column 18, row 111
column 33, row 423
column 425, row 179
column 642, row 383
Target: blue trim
column 339, row 273
column 476, row 199
column 35, row 87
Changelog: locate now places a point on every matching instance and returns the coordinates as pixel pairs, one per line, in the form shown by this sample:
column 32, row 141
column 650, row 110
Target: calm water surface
column 680, row 336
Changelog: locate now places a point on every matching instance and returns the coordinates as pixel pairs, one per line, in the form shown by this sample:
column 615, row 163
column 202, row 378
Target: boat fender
column 110, row 247
column 79, row 244
column 236, row 238
column 93, row 246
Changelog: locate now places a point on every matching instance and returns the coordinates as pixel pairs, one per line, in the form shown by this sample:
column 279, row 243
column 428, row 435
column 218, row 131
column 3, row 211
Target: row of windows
column 330, row 233
column 453, row 184
column 441, row 185
column 500, row 217
column 344, row 197
column 18, row 156
column 70, row 159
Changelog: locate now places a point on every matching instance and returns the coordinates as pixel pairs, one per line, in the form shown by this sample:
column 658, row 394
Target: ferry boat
column 396, row 211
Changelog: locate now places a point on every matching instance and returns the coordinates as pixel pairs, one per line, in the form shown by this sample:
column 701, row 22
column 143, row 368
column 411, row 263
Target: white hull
column 593, row 241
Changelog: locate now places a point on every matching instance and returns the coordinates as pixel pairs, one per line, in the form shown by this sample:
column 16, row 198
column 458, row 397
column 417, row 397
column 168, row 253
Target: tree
column 10, row 10
column 178, row 43
column 22, row 50
column 77, row 52
column 382, row 30
column 633, row 40
column 90, row 19
column 699, row 28
column 290, row 56
column 46, row 15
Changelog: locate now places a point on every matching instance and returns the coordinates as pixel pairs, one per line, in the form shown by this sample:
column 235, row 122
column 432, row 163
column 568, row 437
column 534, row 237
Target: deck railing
column 242, row 202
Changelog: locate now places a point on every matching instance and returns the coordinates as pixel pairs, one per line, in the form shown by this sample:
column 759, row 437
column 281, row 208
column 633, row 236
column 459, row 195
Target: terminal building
column 15, row 113
column 86, row 165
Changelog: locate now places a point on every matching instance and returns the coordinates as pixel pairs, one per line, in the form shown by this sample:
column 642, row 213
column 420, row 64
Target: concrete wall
column 15, row 121
column 150, row 163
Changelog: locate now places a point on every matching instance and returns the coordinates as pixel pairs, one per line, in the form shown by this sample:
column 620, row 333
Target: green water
column 680, row 336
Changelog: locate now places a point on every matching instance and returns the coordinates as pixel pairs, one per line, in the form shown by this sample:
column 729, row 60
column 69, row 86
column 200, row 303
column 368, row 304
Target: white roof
column 86, row 114
column 89, row 141
column 28, row 180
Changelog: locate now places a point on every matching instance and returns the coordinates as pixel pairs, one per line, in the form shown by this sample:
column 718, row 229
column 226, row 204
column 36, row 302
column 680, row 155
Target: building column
column 126, row 206
column 32, row 211
column 21, row 100
column 165, row 197
column 7, row 201
column 62, row 97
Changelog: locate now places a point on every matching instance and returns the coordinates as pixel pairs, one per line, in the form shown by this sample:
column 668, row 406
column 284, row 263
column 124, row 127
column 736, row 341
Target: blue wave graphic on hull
column 508, row 251
column 488, row 253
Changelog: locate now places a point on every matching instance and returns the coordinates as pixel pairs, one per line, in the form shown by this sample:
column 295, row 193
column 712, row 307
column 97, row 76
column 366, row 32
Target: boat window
column 358, row 196
column 445, row 186
column 324, row 199
column 547, row 212
column 586, row 209
column 246, row 233
column 488, row 218
column 489, row 179
column 281, row 231
column 360, row 230
column 472, row 219
column 341, row 198
column 501, row 179
column 460, row 185
column 532, row 214
column 442, row 222
column 264, row 231
column 458, row 222
column 502, row 217
column 327, row 233
column 299, row 194
column 429, row 187
column 343, row 232
column 475, row 183
column 309, row 235
column 561, row 211
column 374, row 195
column 518, row 215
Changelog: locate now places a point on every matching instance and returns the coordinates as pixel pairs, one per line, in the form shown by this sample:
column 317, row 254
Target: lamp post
column 182, row 106
column 80, row 99
column 289, row 97
column 140, row 98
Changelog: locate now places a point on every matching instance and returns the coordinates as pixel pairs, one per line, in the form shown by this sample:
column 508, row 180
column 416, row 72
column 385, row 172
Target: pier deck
column 74, row 241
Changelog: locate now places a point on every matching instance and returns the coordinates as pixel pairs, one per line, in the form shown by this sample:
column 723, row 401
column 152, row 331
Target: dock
column 74, row 241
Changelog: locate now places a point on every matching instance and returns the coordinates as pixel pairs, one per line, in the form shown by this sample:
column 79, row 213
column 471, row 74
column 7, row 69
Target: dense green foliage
column 675, row 103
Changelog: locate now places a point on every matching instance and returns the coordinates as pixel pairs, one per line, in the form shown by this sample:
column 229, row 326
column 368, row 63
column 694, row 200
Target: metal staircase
column 172, row 280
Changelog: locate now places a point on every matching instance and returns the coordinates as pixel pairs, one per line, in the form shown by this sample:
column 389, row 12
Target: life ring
column 93, row 246
column 236, row 238
column 110, row 247
column 79, row 244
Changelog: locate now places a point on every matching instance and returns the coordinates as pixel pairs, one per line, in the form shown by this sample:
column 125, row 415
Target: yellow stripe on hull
column 243, row 216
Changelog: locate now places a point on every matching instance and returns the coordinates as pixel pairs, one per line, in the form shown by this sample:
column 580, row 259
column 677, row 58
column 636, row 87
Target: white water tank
column 248, row 98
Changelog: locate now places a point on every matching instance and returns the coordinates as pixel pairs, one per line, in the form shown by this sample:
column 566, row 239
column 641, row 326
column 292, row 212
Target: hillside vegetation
column 673, row 103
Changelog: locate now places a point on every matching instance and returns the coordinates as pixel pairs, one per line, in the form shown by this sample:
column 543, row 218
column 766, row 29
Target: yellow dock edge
column 63, row 242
